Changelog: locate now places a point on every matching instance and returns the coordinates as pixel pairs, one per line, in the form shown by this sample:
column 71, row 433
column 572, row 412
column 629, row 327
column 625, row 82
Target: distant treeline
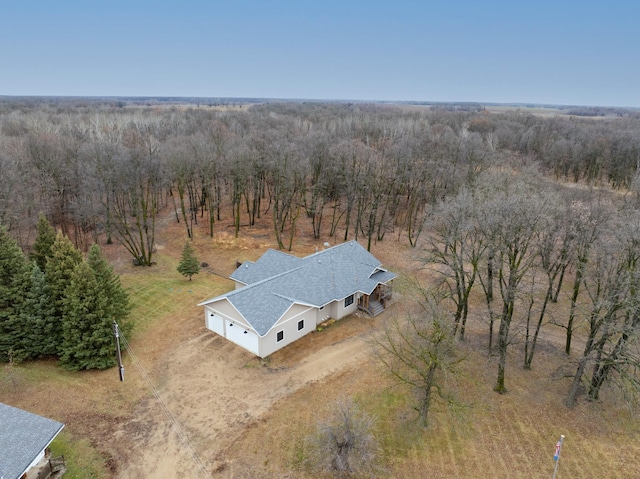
column 602, row 111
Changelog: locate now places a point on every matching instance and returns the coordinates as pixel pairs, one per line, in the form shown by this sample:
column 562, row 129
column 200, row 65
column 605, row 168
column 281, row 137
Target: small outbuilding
column 280, row 298
column 24, row 440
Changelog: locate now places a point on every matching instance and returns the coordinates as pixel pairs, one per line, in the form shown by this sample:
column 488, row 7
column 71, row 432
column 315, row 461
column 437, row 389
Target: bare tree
column 137, row 189
column 351, row 156
column 181, row 163
column 344, row 444
column 515, row 219
column 553, row 243
column 611, row 280
column 605, row 284
column 321, row 184
column 456, row 244
column 286, row 187
column 588, row 222
column 53, row 155
column 420, row 353
column 13, row 180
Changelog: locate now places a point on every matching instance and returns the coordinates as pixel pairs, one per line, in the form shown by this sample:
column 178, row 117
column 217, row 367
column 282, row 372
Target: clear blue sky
column 540, row 51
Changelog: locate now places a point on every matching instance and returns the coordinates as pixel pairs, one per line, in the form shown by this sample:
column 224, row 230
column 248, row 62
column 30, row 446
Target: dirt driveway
column 214, row 390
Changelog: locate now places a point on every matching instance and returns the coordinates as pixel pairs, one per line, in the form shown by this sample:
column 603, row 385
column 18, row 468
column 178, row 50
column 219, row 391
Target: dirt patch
column 215, row 390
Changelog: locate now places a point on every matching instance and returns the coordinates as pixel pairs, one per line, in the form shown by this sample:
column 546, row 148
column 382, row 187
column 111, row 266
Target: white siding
column 323, row 314
column 341, row 311
column 289, row 327
column 334, row 310
column 294, row 311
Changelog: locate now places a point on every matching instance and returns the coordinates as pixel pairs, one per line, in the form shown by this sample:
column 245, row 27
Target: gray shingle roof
column 23, row 436
column 269, row 264
column 280, row 280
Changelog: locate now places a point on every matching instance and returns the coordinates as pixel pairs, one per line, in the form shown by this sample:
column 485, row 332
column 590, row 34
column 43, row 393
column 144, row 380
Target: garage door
column 242, row 337
column 215, row 324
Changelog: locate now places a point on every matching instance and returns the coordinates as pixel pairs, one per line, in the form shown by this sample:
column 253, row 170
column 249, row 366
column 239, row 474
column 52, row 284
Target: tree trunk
column 503, row 342
column 528, row 358
column 575, row 385
column 426, row 399
column 572, row 310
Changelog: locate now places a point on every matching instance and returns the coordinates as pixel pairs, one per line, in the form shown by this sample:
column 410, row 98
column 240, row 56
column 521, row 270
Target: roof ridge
column 322, row 251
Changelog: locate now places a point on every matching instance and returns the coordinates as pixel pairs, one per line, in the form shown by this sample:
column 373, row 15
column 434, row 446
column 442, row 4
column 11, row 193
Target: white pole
column 556, row 456
column 120, row 366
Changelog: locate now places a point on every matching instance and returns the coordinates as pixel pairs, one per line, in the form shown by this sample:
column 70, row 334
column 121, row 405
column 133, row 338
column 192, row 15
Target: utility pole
column 120, row 366
column 556, row 456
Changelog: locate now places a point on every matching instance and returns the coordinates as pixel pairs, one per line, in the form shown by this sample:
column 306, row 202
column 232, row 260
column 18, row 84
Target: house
column 280, row 298
column 24, row 439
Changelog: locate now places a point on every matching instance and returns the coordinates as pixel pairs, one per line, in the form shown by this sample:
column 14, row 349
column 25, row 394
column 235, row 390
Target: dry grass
column 508, row 436
column 498, row 436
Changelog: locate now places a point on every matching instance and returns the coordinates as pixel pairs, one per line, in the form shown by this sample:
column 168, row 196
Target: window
column 280, row 336
column 300, row 324
column 348, row 301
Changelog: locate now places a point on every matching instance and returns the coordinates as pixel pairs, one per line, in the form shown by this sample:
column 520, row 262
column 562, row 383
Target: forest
column 484, row 195
column 367, row 171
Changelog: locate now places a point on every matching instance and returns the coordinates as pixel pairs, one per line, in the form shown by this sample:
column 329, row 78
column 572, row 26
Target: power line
column 165, row 408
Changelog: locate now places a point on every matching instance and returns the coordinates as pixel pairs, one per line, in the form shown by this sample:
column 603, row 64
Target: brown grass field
column 238, row 417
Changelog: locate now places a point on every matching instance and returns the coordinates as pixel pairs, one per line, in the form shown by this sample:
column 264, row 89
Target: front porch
column 376, row 302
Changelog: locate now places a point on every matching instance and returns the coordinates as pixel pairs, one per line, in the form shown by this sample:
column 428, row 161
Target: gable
column 260, row 306
column 225, row 308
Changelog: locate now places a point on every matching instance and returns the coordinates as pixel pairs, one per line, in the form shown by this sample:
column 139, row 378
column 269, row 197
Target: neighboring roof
column 316, row 280
column 23, row 436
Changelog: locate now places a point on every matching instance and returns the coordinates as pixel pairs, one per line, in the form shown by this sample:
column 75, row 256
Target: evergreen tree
column 87, row 339
column 118, row 305
column 43, row 243
column 189, row 264
column 14, row 281
column 58, row 272
column 38, row 317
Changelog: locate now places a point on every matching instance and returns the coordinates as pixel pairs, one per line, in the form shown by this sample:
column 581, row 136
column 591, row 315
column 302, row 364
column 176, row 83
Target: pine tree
column 109, row 282
column 38, row 317
column 43, row 243
column 189, row 264
column 58, row 272
column 14, row 282
column 87, row 339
